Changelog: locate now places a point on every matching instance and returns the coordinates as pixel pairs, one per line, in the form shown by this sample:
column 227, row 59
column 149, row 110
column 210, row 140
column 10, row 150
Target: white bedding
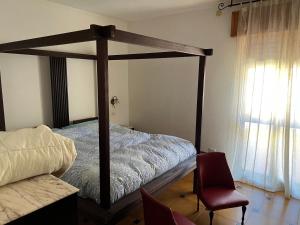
column 34, row 151
column 136, row 158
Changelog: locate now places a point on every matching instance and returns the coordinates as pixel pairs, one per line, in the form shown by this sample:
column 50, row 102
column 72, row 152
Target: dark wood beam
column 152, row 55
column 39, row 52
column 106, row 32
column 137, row 39
column 2, row 115
column 59, row 39
column 208, row 51
column 103, row 118
column 200, row 99
column 200, row 95
column 95, row 32
column 84, row 120
column 102, row 32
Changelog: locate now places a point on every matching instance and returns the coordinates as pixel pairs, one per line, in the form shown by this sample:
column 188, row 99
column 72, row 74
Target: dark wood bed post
column 200, row 96
column 2, row 115
column 103, row 118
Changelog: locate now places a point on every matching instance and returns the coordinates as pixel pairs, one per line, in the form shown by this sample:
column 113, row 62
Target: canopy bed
column 109, row 210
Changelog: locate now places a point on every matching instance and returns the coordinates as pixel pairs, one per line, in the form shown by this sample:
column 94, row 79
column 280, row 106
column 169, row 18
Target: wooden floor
column 265, row 208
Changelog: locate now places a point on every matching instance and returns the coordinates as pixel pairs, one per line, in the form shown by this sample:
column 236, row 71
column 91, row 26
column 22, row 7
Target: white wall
column 163, row 92
column 27, row 96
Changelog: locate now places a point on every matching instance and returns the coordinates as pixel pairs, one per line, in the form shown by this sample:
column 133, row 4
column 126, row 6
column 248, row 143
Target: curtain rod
column 222, row 5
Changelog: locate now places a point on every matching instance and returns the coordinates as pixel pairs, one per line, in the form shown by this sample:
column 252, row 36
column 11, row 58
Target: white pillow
column 34, row 151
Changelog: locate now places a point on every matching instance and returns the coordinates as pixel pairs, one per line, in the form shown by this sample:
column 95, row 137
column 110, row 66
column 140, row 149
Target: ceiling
column 133, row 10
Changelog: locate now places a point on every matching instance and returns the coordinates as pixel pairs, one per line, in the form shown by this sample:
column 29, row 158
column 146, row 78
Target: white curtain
column 267, row 131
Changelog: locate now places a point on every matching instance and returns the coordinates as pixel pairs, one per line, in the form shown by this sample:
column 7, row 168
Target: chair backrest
column 156, row 213
column 213, row 171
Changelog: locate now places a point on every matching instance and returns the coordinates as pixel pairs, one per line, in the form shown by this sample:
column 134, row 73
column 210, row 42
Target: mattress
column 136, row 158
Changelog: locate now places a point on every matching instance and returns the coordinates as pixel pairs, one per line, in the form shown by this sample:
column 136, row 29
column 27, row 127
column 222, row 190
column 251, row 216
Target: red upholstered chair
column 156, row 213
column 216, row 188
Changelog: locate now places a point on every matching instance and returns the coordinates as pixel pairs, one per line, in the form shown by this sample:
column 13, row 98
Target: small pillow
column 34, row 151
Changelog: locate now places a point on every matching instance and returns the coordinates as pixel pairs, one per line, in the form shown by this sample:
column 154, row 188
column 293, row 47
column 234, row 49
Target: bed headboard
column 84, row 120
column 59, row 90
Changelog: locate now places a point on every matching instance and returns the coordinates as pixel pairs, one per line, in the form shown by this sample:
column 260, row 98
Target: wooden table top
column 26, row 196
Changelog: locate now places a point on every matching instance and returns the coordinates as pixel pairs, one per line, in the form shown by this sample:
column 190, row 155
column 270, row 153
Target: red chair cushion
column 221, row 198
column 181, row 220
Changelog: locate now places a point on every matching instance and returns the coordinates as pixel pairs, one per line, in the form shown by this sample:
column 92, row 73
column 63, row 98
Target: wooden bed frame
column 107, row 212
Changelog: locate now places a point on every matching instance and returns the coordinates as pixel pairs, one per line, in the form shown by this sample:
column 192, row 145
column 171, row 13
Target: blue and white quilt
column 136, row 158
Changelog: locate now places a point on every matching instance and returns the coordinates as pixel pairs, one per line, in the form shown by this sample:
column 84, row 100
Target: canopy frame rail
column 101, row 35
column 133, row 56
column 109, row 32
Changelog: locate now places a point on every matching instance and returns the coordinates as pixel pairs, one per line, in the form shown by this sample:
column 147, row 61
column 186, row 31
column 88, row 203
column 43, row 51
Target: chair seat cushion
column 181, row 220
column 222, row 198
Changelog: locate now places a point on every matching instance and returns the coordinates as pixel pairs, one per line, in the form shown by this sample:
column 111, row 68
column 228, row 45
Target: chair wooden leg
column 211, row 216
column 244, row 208
column 198, row 203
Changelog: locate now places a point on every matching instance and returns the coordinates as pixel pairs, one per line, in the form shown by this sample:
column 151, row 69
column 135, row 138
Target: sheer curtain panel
column 267, row 129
